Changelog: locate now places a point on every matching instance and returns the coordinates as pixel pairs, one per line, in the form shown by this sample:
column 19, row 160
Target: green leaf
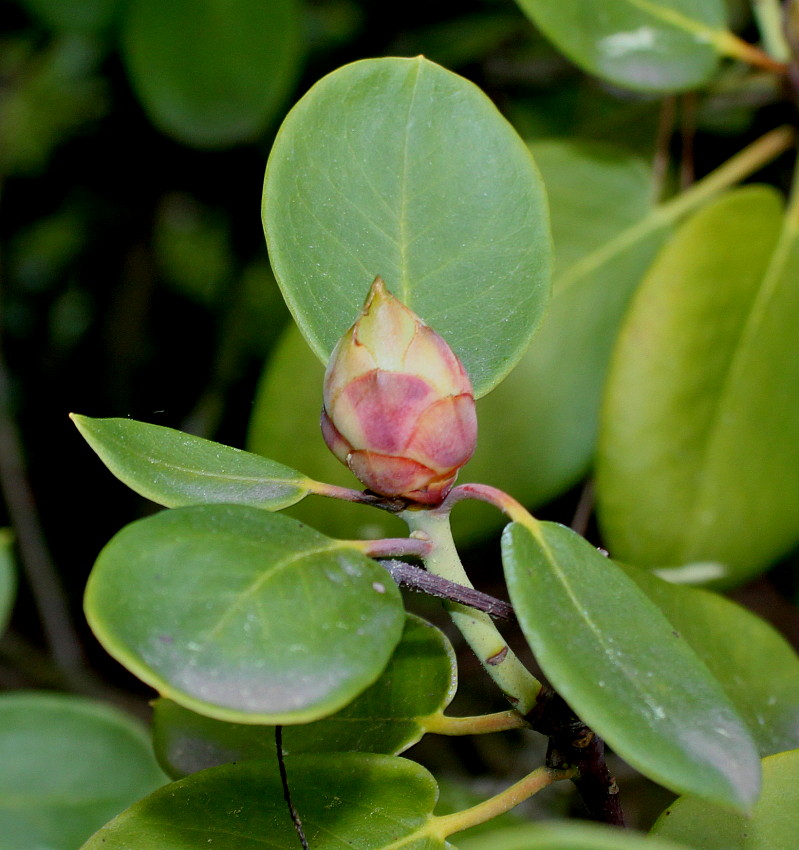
column 387, row 717
column 285, row 425
column 67, row 765
column 176, row 469
column 606, row 234
column 566, row 836
column 400, row 168
column 650, row 45
column 243, row 615
column 605, row 238
column 755, row 665
column 773, row 825
column 698, row 458
column 617, row 661
column 345, row 800
column 8, row 577
column 211, row 74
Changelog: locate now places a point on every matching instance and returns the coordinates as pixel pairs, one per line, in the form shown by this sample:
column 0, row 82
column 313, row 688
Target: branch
column 284, row 780
column 416, row 578
column 573, row 744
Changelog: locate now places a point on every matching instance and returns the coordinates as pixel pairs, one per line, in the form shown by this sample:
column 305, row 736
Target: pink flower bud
column 398, row 404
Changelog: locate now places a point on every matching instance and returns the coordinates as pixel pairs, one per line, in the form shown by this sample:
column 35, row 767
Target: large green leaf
column 8, row 578
column 774, row 824
column 565, row 836
column 67, row 765
column 698, row 456
column 625, row 671
column 344, row 800
column 536, row 434
column 176, row 469
column 387, row 717
column 651, row 45
column 243, row 615
column 754, row 664
column 400, row 168
column 210, row 73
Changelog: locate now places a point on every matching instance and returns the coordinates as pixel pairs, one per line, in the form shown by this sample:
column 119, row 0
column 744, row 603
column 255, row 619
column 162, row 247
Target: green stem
column 735, row 169
column 768, row 14
column 744, row 163
column 511, row 676
column 534, row 782
column 483, row 724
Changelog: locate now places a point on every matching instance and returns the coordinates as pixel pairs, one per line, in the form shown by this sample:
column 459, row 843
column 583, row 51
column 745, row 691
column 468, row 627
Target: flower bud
column 398, row 404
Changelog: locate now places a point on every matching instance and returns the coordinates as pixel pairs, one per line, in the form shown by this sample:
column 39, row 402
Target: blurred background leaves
column 134, row 279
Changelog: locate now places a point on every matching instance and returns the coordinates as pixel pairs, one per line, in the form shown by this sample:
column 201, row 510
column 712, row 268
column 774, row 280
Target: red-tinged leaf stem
column 731, row 45
column 392, row 547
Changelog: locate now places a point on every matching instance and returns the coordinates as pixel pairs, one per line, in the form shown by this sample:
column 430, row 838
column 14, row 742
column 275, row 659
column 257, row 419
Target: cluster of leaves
column 661, row 363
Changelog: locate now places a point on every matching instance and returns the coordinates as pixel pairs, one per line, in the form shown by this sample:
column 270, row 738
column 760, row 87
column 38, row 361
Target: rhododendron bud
column 398, row 404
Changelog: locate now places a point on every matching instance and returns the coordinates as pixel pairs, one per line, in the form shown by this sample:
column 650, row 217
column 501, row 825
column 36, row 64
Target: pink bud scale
column 398, row 404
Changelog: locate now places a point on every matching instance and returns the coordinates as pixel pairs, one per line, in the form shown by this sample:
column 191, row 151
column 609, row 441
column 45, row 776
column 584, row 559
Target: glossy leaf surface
column 346, row 800
column 243, row 615
column 755, row 665
column 400, row 168
column 566, row 836
column 387, row 717
column 623, row 668
column 773, row 826
column 67, row 765
column 211, row 74
column 176, row 469
column 650, row 45
column 698, row 456
column 8, row 579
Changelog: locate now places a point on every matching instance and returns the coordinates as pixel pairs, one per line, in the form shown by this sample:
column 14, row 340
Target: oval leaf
column 211, row 75
column 606, row 234
column 67, row 765
column 624, row 670
column 243, row 615
column 400, row 168
column 565, row 836
column 176, row 469
column 773, row 825
column 347, row 800
column 755, row 665
column 388, row 717
column 651, row 45
column 698, row 456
